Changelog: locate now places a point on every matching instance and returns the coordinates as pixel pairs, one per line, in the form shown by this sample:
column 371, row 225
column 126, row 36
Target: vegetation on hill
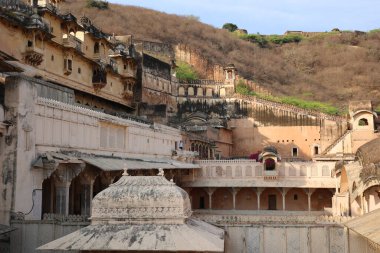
column 185, row 72
column 332, row 67
column 265, row 40
column 301, row 103
column 100, row 4
column 230, row 27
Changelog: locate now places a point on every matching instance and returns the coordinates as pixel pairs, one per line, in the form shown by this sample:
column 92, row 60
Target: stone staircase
column 329, row 148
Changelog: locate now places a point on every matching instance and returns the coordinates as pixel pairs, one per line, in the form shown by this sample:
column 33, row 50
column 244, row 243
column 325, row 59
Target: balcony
column 127, row 94
column 270, row 174
column 33, row 55
column 128, row 73
column 96, row 57
column 249, row 173
column 99, row 78
column 72, row 42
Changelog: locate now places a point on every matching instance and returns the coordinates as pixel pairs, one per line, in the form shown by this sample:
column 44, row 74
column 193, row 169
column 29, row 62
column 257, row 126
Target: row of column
column 67, row 183
column 234, row 190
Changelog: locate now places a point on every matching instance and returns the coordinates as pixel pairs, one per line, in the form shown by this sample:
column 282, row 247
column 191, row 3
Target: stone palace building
column 79, row 106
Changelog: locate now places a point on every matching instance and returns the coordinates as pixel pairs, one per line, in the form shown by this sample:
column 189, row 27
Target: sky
column 274, row 16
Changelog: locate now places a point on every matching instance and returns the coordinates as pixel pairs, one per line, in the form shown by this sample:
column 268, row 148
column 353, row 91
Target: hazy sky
column 274, row 16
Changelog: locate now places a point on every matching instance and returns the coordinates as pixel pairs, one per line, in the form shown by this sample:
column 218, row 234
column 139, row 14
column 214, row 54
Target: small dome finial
column 160, row 172
column 125, row 170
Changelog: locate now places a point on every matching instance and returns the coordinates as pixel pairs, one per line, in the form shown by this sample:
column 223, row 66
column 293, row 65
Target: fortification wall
column 204, row 67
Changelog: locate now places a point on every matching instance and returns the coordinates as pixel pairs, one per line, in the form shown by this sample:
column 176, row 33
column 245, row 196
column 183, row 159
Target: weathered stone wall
column 204, row 67
column 158, row 91
column 19, row 148
column 31, row 234
column 240, row 238
column 286, row 239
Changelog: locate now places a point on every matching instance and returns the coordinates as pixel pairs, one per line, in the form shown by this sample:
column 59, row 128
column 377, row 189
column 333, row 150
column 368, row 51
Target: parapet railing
column 230, row 161
column 262, row 217
column 203, row 82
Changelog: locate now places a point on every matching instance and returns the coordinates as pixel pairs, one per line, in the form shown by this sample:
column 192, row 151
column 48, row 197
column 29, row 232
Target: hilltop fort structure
column 78, row 105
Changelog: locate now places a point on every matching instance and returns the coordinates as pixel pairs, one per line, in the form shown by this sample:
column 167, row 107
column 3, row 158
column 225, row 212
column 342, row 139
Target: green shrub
column 374, row 31
column 263, row 40
column 244, row 90
column 377, row 109
column 185, row 72
column 230, row 27
column 101, row 5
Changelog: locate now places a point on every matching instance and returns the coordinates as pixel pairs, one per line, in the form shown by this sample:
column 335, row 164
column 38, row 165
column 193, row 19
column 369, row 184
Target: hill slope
column 330, row 68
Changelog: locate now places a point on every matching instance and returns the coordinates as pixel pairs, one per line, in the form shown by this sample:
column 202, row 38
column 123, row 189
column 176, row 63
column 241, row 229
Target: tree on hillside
column 185, row 72
column 230, row 27
column 100, row 4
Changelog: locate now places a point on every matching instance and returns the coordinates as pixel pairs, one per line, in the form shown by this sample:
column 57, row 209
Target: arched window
column 363, row 122
column 96, row 48
column 270, row 164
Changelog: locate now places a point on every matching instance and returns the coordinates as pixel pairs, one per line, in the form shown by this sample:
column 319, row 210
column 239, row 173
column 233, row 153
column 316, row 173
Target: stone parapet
column 264, row 217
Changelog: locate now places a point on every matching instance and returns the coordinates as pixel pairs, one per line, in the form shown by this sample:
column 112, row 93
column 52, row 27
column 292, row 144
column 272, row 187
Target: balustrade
column 242, row 169
column 73, row 42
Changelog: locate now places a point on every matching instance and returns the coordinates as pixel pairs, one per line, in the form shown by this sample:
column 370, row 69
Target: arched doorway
column 296, row 200
column 271, row 199
column 222, row 199
column 246, row 199
column 48, row 196
column 321, row 199
column 199, row 199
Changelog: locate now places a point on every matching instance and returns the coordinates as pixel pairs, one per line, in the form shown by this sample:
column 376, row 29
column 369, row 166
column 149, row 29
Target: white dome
column 141, row 199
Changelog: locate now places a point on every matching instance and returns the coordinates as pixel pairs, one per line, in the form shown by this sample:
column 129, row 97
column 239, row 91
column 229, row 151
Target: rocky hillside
column 332, row 67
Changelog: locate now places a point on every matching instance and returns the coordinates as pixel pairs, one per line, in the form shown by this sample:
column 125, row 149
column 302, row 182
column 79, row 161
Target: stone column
column 63, row 177
column 284, row 191
column 259, row 190
column 366, row 209
column 309, row 192
column 210, row 191
column 234, row 191
column 62, row 197
column 107, row 178
column 362, row 203
column 87, row 188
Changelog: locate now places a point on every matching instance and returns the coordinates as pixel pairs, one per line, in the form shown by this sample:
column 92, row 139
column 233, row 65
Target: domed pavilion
column 142, row 214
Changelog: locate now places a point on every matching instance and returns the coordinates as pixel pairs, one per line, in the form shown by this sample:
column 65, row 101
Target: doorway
column 202, row 203
column 272, row 204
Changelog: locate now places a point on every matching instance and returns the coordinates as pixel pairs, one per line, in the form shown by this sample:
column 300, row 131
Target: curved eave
column 367, row 111
column 193, row 236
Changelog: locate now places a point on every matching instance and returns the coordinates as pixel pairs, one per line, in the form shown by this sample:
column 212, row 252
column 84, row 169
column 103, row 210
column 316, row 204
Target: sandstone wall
column 249, row 137
column 286, row 239
column 204, row 67
column 253, row 238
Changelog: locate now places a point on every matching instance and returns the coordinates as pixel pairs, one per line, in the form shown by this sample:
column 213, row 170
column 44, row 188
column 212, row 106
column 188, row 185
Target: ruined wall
column 204, row 67
column 155, row 48
column 158, row 91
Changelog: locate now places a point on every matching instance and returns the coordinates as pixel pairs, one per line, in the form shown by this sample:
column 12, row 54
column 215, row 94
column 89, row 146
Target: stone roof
column 140, row 213
column 141, row 199
column 369, row 152
column 367, row 226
